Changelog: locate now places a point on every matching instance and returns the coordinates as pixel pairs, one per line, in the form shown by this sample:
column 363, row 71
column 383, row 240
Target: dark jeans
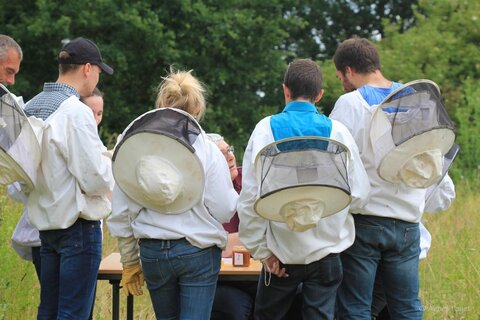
column 69, row 266
column 389, row 247
column 37, row 261
column 233, row 301
column 379, row 301
column 181, row 278
column 319, row 279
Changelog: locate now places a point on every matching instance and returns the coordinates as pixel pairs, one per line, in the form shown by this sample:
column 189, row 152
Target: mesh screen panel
column 12, row 119
column 303, row 161
column 415, row 108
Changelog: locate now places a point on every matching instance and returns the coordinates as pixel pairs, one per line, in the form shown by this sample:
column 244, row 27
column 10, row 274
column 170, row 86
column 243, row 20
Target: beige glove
column 132, row 274
column 132, row 280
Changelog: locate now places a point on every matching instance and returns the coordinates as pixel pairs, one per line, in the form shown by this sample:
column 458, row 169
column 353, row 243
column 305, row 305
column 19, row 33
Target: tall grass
column 19, row 286
column 18, row 282
column 450, row 275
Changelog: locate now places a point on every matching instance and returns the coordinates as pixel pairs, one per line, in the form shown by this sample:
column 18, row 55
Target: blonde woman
column 180, row 249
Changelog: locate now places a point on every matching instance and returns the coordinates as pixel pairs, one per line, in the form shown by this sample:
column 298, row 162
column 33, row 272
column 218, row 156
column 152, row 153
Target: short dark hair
column 66, row 68
column 357, row 53
column 304, row 79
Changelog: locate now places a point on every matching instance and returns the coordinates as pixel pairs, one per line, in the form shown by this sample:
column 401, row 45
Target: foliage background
column 240, row 50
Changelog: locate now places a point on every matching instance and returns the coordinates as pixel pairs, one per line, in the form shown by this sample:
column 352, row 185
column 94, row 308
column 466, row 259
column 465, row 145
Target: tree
column 239, row 49
column 443, row 47
column 326, row 23
column 232, row 46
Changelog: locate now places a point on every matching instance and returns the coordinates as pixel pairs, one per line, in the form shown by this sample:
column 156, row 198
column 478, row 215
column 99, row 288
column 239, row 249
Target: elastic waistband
column 163, row 243
column 365, row 217
column 84, row 221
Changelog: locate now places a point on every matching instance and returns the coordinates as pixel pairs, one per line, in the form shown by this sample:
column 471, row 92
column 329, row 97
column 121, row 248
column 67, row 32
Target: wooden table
column 111, row 270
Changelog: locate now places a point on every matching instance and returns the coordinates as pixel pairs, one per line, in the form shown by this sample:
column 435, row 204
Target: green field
column 450, row 276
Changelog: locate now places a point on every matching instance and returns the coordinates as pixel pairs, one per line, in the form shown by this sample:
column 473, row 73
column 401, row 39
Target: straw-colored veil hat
column 155, row 163
column 20, row 151
column 302, row 180
column 410, row 134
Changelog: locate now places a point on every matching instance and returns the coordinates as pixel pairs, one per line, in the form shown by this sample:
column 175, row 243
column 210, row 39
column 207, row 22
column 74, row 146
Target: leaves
column 444, row 46
column 240, row 49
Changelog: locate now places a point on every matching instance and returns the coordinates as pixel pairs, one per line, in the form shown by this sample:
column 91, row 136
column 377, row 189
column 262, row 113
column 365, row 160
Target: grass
column 450, row 275
column 19, row 286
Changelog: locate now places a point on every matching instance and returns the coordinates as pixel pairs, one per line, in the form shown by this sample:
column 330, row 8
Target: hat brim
column 335, row 200
column 106, row 68
column 15, row 171
column 441, row 139
column 143, row 144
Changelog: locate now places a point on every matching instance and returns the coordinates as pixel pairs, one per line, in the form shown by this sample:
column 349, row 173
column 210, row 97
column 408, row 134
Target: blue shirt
column 47, row 102
column 300, row 119
column 375, row 95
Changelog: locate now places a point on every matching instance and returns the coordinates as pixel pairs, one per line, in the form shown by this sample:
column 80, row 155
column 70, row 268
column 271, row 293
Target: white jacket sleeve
column 87, row 163
column 357, row 176
column 425, row 241
column 344, row 111
column 353, row 112
column 15, row 192
column 253, row 228
column 220, row 197
column 441, row 197
column 124, row 211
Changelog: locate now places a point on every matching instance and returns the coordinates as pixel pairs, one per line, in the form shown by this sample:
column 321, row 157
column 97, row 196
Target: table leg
column 115, row 299
column 130, row 307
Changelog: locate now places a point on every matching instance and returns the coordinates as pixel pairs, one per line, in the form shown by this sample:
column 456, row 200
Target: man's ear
column 87, row 68
column 286, row 93
column 349, row 71
column 319, row 96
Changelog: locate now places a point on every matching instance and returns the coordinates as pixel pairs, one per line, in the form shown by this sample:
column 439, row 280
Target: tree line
column 240, row 49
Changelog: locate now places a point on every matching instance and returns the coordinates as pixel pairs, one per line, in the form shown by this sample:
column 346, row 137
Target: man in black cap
column 69, row 198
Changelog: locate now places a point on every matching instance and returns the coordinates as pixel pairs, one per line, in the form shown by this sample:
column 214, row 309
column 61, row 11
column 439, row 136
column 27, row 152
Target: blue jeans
column 181, row 278
column 36, row 260
column 234, row 301
column 390, row 247
column 320, row 280
column 69, row 266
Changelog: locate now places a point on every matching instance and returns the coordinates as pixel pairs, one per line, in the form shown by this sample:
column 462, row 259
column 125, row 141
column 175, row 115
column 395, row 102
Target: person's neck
column 287, row 101
column 71, row 81
column 374, row 79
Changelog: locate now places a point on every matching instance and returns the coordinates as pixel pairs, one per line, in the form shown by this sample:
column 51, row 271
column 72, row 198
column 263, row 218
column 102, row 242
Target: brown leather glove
column 132, row 280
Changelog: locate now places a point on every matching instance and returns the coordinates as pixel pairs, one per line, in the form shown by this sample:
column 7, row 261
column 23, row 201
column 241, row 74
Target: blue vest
column 300, row 119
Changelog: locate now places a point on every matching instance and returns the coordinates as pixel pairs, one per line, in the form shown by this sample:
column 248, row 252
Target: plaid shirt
column 47, row 102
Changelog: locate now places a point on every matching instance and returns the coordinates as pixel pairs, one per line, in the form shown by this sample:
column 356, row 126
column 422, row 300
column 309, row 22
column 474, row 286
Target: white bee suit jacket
column 388, row 200
column 333, row 234
column 74, row 178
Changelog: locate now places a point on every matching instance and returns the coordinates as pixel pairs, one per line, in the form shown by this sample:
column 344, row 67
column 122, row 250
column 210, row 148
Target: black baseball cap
column 84, row 51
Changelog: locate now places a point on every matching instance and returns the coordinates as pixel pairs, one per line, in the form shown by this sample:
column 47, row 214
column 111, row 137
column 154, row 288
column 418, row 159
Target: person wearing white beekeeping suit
column 173, row 192
column 301, row 173
column 402, row 133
